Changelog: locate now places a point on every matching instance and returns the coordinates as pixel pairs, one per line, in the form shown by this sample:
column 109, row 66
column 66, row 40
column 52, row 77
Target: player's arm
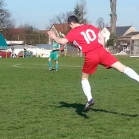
column 101, row 39
column 57, row 39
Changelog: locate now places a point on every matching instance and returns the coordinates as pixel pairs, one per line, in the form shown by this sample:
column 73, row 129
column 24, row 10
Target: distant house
column 17, row 31
column 132, row 38
column 130, row 42
column 120, row 31
column 59, row 29
column 106, row 34
column 132, row 35
column 13, row 33
column 123, row 30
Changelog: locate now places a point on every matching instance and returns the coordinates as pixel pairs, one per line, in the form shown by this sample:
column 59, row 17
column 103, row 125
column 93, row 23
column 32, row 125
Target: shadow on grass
column 116, row 113
column 80, row 110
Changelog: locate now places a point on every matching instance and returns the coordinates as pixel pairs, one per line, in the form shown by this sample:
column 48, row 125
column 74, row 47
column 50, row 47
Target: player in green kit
column 54, row 55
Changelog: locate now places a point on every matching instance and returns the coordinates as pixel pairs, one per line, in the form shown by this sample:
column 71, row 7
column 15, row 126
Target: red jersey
column 85, row 37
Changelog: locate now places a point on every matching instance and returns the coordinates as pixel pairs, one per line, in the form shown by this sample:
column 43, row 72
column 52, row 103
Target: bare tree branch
column 5, row 15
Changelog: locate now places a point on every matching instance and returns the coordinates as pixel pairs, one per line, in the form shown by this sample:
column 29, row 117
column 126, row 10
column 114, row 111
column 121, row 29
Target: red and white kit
column 85, row 37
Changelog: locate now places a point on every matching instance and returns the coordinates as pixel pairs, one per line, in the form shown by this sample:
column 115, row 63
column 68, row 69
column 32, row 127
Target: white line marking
column 32, row 66
column 17, row 65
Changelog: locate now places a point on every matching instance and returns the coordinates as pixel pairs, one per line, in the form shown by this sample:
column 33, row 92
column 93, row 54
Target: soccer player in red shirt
column 90, row 41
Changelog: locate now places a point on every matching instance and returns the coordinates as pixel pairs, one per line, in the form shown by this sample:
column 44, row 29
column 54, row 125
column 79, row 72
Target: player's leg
column 50, row 60
column 56, row 61
column 126, row 70
column 56, row 65
column 89, row 67
column 50, row 63
column 109, row 60
column 86, row 86
column 87, row 91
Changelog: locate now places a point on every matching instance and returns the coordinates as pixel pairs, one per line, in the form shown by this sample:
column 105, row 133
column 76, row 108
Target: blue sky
column 38, row 12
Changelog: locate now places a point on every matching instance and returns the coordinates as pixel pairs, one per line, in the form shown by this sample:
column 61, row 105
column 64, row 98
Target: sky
column 38, row 13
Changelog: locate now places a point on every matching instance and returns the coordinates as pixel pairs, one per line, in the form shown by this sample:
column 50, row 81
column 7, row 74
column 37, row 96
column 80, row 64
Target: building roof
column 64, row 27
column 120, row 31
column 108, row 28
column 131, row 34
column 17, row 30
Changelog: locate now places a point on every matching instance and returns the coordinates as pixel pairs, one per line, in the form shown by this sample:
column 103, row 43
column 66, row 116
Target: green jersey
column 56, row 46
column 55, row 50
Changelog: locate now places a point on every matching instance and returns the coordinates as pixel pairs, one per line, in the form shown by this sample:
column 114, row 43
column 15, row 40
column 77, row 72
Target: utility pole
column 113, row 16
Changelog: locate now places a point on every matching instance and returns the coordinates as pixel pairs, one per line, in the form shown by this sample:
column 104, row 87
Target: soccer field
column 39, row 104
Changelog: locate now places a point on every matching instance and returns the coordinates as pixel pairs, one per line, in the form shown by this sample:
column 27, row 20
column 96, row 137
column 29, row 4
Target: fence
column 39, row 50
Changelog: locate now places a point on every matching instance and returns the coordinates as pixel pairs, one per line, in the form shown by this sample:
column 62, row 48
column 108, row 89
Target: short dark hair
column 73, row 19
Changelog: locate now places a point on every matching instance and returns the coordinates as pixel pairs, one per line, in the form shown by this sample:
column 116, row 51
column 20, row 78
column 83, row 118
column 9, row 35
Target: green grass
column 39, row 104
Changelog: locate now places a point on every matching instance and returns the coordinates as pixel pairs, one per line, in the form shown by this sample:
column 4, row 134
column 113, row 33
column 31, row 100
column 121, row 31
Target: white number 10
column 87, row 36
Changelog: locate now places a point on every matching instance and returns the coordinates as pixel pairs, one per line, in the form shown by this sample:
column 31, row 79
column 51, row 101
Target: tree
column 80, row 11
column 59, row 19
column 32, row 35
column 113, row 19
column 111, row 41
column 29, row 29
column 5, row 21
column 100, row 23
column 113, row 16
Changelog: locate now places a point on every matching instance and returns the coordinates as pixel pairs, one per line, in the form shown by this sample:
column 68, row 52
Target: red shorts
column 96, row 57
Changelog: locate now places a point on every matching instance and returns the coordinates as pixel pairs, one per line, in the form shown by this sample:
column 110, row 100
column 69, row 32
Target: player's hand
column 61, row 48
